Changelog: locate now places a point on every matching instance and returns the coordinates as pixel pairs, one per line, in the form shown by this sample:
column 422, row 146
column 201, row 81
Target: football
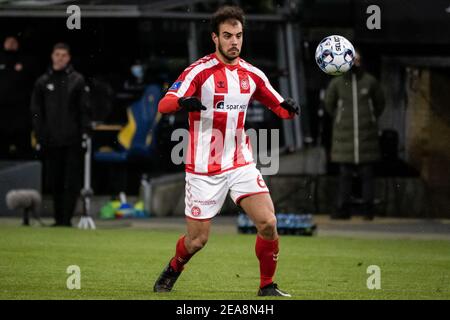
column 335, row 55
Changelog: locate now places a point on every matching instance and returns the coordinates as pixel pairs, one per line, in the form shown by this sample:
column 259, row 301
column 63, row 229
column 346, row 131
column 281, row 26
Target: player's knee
column 267, row 227
column 198, row 243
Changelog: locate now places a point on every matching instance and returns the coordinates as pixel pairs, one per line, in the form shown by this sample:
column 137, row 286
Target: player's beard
column 229, row 57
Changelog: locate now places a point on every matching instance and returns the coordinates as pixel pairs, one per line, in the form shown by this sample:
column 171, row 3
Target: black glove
column 290, row 105
column 191, row 104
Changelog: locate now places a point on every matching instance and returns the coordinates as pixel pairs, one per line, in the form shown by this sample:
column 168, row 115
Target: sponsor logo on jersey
column 206, row 202
column 240, row 107
column 220, row 105
column 195, row 211
column 175, row 86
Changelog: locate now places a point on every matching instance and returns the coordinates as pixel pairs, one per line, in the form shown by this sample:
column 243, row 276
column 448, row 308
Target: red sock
column 182, row 256
column 267, row 253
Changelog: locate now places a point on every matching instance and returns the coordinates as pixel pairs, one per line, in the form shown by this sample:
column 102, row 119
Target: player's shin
column 267, row 253
column 181, row 257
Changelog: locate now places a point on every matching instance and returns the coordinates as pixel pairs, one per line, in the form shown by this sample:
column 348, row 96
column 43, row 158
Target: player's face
column 60, row 59
column 229, row 41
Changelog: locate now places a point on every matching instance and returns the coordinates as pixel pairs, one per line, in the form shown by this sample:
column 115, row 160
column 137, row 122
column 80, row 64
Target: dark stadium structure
column 410, row 54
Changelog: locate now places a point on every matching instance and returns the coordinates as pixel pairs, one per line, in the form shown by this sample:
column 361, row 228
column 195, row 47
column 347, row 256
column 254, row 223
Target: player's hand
column 191, row 104
column 290, row 105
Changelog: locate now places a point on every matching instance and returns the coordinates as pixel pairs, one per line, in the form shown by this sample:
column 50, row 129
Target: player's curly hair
column 225, row 13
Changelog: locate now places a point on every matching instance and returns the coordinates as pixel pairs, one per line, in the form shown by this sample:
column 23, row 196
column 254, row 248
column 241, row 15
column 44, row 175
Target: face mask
column 137, row 71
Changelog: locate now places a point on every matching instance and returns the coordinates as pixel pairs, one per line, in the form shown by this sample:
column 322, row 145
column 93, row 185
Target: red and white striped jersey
column 217, row 140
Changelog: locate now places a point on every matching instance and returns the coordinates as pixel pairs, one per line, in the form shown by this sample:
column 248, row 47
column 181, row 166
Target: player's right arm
column 266, row 94
column 182, row 95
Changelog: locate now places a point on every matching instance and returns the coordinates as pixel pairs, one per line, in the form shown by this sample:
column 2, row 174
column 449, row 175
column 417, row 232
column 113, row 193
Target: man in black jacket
column 60, row 117
column 16, row 82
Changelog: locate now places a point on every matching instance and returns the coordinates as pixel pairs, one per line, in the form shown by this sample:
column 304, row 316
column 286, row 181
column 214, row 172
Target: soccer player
column 216, row 91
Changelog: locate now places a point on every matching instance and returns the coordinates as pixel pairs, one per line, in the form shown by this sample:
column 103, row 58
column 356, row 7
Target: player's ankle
column 175, row 265
column 265, row 283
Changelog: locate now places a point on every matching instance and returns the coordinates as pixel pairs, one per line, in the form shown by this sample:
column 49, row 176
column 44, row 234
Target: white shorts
column 205, row 195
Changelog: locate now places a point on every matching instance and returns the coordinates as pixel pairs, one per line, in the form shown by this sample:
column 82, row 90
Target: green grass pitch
column 123, row 264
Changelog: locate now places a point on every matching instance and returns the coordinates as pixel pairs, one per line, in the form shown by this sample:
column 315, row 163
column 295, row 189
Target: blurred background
column 130, row 51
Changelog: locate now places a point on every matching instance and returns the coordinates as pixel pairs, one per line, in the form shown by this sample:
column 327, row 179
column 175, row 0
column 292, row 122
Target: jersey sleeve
column 168, row 104
column 268, row 96
column 185, row 86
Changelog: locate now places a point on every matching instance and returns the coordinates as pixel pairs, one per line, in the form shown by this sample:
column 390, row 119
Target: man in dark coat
column 60, row 116
column 355, row 101
column 16, row 81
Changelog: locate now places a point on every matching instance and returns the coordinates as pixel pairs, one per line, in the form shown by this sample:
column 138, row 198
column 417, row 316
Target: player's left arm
column 268, row 96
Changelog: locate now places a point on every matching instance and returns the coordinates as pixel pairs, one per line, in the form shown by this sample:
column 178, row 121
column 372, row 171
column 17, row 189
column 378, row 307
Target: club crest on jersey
column 244, row 84
column 196, row 211
column 175, row 86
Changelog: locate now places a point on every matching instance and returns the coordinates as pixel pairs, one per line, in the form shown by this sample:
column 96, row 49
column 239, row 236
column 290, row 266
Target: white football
column 335, row 55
